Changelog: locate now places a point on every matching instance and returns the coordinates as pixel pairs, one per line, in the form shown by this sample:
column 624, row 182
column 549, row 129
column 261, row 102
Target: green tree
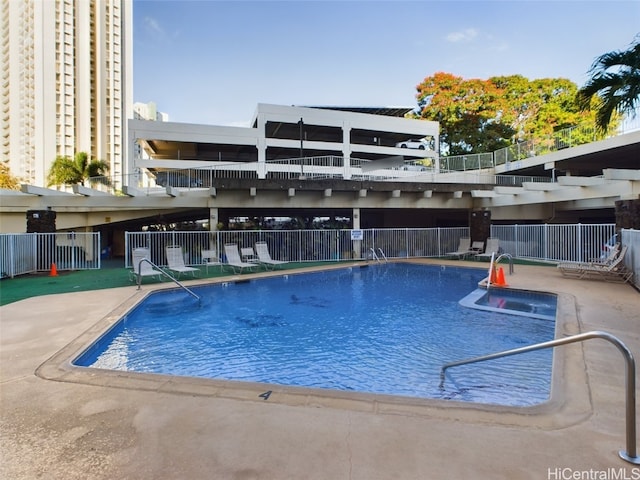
column 478, row 116
column 614, row 86
column 7, row 180
column 67, row 171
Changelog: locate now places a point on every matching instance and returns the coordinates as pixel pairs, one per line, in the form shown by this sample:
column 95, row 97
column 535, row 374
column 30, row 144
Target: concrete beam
column 508, row 190
column 87, row 192
column 457, row 194
column 327, row 192
column 483, row 194
column 252, row 191
column 427, row 194
column 213, row 192
column 41, row 192
column 395, row 194
column 362, row 193
column 570, row 181
column 291, row 192
column 620, row 174
column 540, row 186
column 131, row 191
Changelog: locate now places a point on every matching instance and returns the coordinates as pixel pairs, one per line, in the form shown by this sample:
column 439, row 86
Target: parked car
column 419, row 144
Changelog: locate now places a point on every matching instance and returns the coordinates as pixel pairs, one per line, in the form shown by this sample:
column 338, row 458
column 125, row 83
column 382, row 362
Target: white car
column 419, row 144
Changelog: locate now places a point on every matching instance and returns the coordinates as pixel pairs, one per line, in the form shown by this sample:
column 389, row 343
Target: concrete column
column 41, row 221
column 261, row 126
column 627, row 214
column 346, row 151
column 357, row 244
column 213, row 219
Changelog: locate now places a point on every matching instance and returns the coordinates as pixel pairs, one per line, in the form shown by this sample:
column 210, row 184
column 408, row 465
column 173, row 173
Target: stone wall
column 628, row 214
column 480, row 225
column 41, row 221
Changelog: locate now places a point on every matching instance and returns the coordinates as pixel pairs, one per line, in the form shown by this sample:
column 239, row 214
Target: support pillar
column 480, row 225
column 627, row 214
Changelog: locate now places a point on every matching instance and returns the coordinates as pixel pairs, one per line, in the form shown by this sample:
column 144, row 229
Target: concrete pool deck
column 57, row 423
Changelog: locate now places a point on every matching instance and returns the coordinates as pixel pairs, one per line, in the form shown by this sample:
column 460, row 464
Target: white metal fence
column 554, row 242
column 631, row 238
column 34, row 252
column 566, row 243
column 302, row 245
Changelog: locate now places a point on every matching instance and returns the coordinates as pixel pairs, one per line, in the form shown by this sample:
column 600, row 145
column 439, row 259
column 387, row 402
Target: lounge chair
column 210, row 258
column 234, row 260
column 464, row 249
column 264, row 257
column 248, row 255
column 175, row 261
column 612, row 271
column 492, row 248
column 142, row 269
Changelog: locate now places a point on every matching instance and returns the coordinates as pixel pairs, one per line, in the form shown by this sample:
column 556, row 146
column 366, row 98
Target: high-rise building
column 67, row 83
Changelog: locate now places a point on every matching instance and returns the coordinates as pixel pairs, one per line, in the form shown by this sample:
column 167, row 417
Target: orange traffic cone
column 54, row 270
column 500, row 282
column 492, row 275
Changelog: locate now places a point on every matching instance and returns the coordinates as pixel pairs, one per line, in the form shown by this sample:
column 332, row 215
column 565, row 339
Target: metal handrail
column 630, row 378
column 375, row 255
column 508, row 256
column 139, row 282
column 383, row 255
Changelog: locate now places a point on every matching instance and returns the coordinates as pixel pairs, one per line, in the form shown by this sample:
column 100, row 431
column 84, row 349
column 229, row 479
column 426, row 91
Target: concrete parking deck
column 58, row 424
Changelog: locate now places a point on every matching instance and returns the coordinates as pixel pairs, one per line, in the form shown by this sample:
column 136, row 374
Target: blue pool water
column 383, row 329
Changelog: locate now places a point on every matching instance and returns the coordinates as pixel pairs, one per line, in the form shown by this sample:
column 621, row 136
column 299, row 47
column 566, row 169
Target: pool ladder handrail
column 630, row 454
column 160, row 270
column 508, row 256
column 376, row 257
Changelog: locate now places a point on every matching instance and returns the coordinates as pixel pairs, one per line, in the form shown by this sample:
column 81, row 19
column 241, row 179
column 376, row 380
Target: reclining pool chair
column 142, row 269
column 175, row 260
column 492, row 248
column 613, row 271
column 264, row 257
column 234, row 261
column 464, row 249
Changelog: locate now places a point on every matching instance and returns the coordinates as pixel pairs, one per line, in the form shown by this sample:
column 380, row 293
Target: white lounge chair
column 210, row 258
column 234, row 260
column 611, row 271
column 464, row 249
column 264, row 257
column 175, row 261
column 492, row 248
column 142, row 268
column 248, row 255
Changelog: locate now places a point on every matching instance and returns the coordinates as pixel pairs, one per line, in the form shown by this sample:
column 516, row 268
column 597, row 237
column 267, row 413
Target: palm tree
column 65, row 170
column 615, row 79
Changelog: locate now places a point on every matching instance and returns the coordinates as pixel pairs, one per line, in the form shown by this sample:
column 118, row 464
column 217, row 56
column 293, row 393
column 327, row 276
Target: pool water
column 383, row 329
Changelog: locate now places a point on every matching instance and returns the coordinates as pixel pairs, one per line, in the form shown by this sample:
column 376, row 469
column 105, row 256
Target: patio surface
column 58, row 423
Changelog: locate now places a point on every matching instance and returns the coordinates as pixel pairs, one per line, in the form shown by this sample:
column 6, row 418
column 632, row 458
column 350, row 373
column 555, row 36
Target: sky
column 212, row 61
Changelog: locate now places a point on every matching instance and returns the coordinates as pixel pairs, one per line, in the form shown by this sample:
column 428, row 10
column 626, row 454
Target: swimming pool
column 384, row 329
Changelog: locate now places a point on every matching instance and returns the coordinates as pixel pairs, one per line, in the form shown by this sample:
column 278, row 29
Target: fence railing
column 549, row 242
column 302, row 245
column 631, row 238
column 554, row 242
column 22, row 253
